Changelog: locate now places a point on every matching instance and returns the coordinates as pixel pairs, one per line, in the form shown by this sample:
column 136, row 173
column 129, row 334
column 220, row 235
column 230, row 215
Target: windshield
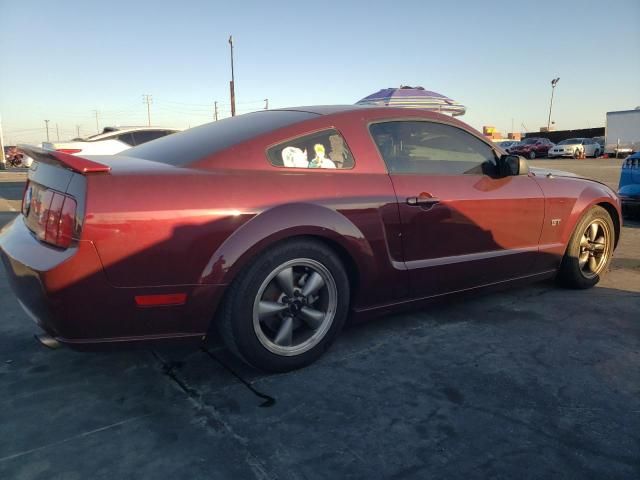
column 529, row 141
column 571, row 141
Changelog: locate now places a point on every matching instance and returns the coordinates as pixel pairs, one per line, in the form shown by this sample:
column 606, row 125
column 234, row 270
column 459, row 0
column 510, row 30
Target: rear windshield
column 197, row 143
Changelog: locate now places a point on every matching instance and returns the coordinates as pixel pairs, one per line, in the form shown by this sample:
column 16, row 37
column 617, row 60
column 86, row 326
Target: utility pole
column 57, row 132
column 78, row 131
column 554, row 82
column 46, row 123
column 215, row 111
column 232, row 83
column 266, row 104
column 148, row 99
column 97, row 127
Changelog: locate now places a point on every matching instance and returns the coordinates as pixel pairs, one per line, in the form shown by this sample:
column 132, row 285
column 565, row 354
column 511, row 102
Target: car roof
column 328, row 109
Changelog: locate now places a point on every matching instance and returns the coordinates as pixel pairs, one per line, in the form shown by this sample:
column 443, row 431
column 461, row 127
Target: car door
column 542, row 147
column 462, row 224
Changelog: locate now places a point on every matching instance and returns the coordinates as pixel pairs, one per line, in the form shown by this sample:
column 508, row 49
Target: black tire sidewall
column 570, row 274
column 244, row 337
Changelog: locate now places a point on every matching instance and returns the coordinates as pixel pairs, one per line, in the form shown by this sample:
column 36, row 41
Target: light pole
column 231, row 84
column 554, row 82
column 46, row 123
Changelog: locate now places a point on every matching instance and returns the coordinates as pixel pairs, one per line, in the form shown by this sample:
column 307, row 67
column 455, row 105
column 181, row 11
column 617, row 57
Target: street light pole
column 266, row 104
column 554, row 82
column 46, row 122
column 232, row 83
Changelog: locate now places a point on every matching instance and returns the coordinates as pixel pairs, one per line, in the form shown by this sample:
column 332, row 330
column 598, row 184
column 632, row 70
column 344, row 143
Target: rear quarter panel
column 203, row 225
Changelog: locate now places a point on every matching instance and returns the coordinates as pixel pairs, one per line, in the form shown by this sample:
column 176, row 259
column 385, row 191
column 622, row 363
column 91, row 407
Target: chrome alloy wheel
column 594, row 248
column 295, row 307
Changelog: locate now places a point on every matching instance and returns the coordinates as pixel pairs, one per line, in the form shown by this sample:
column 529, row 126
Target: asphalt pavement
column 533, row 382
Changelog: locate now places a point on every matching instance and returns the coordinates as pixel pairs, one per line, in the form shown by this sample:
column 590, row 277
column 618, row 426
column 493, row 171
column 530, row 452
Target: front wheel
column 532, row 155
column 589, row 251
column 286, row 308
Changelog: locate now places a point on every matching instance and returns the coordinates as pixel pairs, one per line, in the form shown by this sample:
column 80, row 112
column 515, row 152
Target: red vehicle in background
column 270, row 228
column 532, row 148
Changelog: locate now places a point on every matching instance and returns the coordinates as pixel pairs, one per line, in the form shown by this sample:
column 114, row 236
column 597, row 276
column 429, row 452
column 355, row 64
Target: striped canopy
column 414, row 97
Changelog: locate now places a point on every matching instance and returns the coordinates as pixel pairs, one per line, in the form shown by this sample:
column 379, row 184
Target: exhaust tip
column 48, row 341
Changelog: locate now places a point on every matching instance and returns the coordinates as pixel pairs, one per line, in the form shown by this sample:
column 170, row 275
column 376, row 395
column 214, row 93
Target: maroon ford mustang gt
column 271, row 227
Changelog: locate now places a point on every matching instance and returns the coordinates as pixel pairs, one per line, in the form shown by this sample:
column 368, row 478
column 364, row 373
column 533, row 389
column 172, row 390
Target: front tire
column 532, row 155
column 287, row 307
column 589, row 251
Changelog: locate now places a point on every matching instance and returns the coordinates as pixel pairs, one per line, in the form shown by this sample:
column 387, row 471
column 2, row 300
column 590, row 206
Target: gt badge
column 555, row 222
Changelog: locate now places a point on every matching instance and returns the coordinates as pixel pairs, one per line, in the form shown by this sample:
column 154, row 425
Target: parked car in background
column 506, row 144
column 512, row 146
column 112, row 140
column 269, row 229
column 600, row 141
column 629, row 186
column 532, row 147
column 14, row 157
column 575, row 147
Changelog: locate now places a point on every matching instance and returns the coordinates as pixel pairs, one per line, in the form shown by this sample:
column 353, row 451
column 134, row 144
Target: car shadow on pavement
column 536, row 379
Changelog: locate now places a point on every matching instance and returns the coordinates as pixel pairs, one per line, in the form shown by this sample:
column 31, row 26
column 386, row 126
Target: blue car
column 629, row 188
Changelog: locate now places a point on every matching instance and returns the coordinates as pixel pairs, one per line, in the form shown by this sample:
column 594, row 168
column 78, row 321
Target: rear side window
column 186, row 147
column 326, row 149
column 431, row 148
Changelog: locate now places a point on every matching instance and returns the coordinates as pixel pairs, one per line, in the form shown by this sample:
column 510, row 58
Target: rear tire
column 286, row 308
column 589, row 251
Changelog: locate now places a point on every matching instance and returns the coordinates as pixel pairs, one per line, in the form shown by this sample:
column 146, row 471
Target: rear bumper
column 68, row 295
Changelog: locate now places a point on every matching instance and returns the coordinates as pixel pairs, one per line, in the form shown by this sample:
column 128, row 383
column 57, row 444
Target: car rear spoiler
column 66, row 160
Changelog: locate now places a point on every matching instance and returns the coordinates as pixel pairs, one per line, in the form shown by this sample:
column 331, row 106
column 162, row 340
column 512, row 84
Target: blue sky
column 63, row 59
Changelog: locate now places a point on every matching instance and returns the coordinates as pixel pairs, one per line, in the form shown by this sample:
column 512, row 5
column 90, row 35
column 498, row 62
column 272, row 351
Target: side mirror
column 512, row 165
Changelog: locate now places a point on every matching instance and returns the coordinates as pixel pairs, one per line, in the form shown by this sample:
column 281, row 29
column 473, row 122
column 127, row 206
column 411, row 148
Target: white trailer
column 622, row 134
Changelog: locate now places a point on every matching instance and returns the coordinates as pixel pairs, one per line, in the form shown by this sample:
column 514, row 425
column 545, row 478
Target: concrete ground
column 535, row 382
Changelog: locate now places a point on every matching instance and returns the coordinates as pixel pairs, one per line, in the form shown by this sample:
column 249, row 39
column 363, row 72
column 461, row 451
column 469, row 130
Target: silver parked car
column 575, row 147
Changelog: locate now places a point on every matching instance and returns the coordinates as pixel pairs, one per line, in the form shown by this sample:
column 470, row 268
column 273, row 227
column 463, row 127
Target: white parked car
column 506, row 144
column 574, row 147
column 112, row 140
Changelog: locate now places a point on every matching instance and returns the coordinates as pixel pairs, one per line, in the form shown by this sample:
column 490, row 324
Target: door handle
column 422, row 201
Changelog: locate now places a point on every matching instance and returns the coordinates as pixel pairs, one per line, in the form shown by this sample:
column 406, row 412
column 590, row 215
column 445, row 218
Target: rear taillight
column 49, row 214
column 69, row 150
